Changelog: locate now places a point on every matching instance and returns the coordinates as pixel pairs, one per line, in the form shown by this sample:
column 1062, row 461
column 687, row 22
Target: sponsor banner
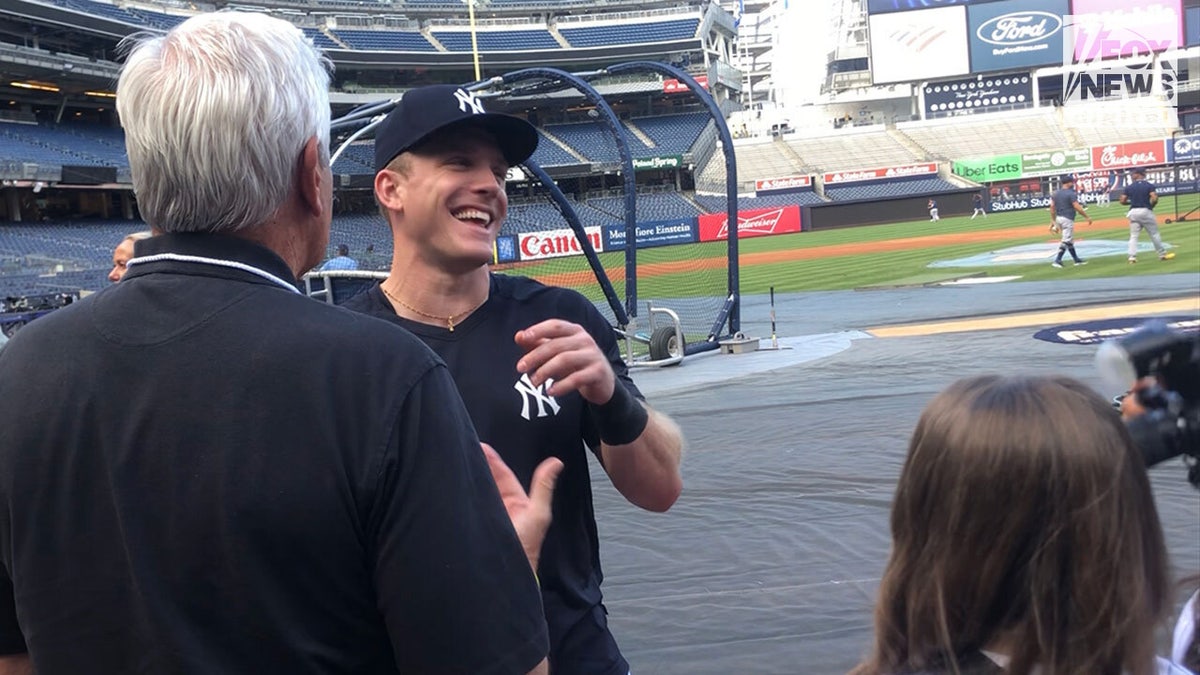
column 1023, row 204
column 556, row 243
column 1169, row 180
column 1105, row 29
column 969, row 95
column 885, row 6
column 1094, row 332
column 1129, row 155
column 886, row 173
column 755, row 223
column 1092, row 183
column 1191, row 26
column 923, row 45
column 652, row 163
column 782, row 184
column 1056, row 161
column 1184, row 148
column 506, row 249
column 1004, row 167
column 1015, row 34
column 674, row 86
column 653, row 233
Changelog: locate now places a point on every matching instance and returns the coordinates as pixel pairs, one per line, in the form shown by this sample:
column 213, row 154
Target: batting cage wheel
column 665, row 342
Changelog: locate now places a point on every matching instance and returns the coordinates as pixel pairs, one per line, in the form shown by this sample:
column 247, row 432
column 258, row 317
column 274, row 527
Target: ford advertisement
column 1015, row 34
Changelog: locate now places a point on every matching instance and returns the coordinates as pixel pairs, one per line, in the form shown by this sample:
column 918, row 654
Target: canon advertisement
column 556, row 243
column 885, row 6
column 754, row 223
column 924, row 45
column 969, row 95
column 1015, row 34
column 1103, row 29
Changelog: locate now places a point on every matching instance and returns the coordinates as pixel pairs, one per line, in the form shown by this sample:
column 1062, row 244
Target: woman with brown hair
column 1025, row 538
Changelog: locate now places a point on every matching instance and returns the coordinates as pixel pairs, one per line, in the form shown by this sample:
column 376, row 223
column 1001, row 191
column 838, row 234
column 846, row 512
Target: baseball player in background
column 977, row 201
column 933, row 210
column 1064, row 205
column 1142, row 198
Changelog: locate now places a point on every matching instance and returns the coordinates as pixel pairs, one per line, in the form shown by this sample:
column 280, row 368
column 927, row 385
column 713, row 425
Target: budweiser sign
column 556, row 243
column 787, row 183
column 1129, row 155
column 674, row 86
column 756, row 223
column 929, row 168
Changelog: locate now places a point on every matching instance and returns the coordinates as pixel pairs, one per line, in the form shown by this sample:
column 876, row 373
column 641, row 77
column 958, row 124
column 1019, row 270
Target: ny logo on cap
column 465, row 99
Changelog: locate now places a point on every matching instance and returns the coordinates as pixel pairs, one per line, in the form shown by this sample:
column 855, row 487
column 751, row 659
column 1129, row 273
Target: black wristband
column 622, row 419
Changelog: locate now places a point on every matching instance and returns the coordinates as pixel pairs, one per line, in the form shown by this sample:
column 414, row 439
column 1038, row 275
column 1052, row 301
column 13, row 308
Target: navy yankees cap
column 1067, row 179
column 424, row 111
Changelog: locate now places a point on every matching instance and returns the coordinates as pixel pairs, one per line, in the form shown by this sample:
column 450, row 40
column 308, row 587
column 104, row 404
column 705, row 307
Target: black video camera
column 1170, row 427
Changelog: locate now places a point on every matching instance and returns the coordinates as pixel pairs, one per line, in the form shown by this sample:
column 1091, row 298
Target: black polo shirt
column 203, row 471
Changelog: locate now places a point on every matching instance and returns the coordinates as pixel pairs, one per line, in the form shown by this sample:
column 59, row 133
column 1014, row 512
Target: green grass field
column 900, row 267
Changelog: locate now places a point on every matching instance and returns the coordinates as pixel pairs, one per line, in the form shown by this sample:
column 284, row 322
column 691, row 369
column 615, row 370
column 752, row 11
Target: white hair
column 216, row 113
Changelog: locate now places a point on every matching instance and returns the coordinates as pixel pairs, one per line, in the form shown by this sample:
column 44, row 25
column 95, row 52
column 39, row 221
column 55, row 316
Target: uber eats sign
column 1004, row 167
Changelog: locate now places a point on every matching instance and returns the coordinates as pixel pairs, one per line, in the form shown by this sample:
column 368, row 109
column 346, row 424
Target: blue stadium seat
column 672, row 134
column 384, row 40
column 919, row 186
column 497, row 41
column 631, row 33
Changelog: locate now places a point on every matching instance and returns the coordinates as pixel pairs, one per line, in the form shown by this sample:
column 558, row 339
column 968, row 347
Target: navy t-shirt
column 1064, row 203
column 525, row 425
column 1138, row 194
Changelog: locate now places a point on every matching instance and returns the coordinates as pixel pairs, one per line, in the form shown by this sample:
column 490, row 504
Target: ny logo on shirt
column 527, row 391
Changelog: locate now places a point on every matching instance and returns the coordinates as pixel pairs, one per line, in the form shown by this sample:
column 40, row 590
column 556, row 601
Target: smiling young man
column 538, row 367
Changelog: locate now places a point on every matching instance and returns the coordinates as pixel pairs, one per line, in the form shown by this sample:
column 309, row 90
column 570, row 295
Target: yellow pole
column 474, row 42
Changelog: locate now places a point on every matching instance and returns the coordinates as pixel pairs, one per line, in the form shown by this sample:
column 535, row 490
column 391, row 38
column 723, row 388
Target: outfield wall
column 886, row 210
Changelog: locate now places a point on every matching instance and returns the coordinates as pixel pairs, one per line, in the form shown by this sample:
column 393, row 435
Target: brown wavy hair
column 1023, row 518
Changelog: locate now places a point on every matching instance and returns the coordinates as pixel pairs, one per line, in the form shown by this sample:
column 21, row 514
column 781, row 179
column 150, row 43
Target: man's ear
column 311, row 175
column 389, row 190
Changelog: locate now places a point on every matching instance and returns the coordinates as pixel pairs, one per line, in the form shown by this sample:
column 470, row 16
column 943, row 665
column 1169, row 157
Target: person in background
column 933, row 210
column 977, row 202
column 1024, row 539
column 1064, row 205
column 123, row 253
column 1141, row 197
column 342, row 261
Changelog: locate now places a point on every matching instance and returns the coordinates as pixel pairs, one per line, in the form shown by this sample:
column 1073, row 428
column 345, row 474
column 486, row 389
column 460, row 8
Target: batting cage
column 607, row 204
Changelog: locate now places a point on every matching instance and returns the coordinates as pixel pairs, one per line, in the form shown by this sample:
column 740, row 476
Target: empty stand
column 672, row 134
column 920, row 186
column 631, row 33
column 841, row 150
column 984, row 135
column 497, row 41
column 384, row 40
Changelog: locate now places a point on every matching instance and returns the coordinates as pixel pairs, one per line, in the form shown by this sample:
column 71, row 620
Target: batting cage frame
column 667, row 345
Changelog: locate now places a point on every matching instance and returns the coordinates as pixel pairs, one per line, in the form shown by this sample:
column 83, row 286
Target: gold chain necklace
column 448, row 319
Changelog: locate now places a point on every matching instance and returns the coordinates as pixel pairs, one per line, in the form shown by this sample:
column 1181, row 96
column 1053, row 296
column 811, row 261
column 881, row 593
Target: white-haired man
column 281, row 486
column 123, row 253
